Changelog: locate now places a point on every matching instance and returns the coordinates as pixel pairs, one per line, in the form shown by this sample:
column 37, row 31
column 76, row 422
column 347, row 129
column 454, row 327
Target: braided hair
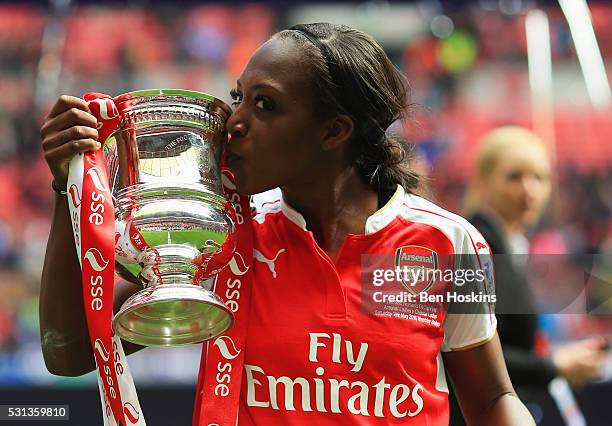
column 354, row 76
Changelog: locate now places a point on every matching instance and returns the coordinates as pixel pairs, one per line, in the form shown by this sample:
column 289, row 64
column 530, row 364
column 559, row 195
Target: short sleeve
column 470, row 319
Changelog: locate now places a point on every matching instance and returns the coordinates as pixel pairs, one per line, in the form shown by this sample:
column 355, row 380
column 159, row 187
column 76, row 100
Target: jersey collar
column 385, row 215
column 376, row 222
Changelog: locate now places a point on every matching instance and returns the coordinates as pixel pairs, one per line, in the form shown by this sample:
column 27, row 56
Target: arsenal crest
column 417, row 267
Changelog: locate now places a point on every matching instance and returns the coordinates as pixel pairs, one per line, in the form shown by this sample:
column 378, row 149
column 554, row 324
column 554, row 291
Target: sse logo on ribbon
column 92, row 216
column 96, row 260
column 228, row 351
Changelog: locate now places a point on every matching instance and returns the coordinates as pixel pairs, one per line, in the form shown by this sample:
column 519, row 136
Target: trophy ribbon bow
column 93, row 224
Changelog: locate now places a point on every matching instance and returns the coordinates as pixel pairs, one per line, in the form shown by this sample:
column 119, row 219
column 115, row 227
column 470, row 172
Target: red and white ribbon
column 92, row 215
column 93, row 222
column 218, row 390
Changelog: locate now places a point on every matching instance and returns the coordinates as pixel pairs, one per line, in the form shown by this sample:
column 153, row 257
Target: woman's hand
column 69, row 129
column 581, row 362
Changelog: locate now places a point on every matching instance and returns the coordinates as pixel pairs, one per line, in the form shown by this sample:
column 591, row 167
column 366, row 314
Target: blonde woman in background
column 508, row 193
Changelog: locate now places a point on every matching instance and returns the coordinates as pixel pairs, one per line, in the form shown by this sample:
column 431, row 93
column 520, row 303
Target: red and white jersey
column 318, row 353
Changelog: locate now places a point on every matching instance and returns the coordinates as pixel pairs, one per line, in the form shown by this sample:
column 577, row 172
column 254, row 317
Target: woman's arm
column 63, row 327
column 483, row 388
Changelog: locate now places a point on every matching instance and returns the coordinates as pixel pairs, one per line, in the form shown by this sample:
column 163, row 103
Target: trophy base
column 172, row 315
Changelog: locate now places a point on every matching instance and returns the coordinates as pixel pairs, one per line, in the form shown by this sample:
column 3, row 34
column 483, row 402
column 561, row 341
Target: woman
column 310, row 114
column 510, row 189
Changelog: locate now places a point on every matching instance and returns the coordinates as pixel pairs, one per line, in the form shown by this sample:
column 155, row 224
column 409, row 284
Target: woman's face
column 518, row 186
column 274, row 132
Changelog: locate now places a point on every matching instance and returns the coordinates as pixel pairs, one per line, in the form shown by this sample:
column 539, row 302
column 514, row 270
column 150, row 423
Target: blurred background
column 469, row 68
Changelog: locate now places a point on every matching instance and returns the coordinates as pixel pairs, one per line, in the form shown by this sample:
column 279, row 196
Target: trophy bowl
column 173, row 226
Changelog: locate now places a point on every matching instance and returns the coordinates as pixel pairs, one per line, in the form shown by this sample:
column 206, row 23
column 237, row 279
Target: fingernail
column 98, row 145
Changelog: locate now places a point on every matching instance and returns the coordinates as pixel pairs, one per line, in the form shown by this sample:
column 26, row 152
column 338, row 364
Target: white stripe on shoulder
column 455, row 227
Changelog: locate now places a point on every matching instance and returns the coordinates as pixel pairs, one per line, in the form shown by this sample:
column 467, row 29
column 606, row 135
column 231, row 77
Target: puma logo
column 270, row 262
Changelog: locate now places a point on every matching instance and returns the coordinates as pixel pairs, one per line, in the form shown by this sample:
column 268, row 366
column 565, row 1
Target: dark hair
column 354, row 76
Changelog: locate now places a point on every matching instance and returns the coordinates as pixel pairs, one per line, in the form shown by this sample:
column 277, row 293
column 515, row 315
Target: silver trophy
column 173, row 226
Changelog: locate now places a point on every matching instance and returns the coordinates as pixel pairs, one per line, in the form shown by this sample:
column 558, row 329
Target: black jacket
column 517, row 322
